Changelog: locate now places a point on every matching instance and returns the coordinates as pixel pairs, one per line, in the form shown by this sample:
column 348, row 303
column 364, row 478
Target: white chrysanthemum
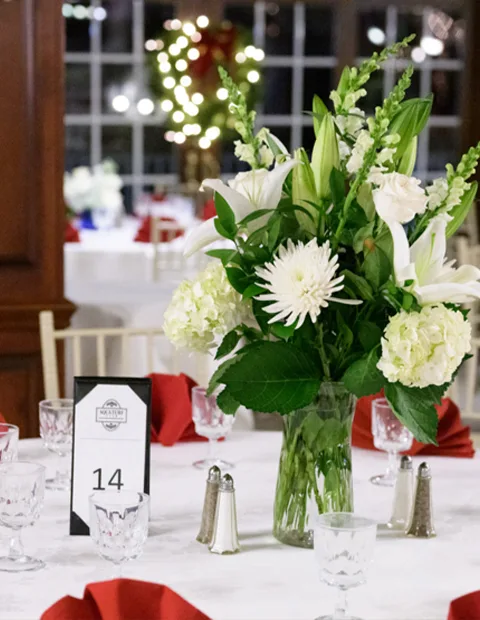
column 424, row 348
column 301, row 281
column 203, row 310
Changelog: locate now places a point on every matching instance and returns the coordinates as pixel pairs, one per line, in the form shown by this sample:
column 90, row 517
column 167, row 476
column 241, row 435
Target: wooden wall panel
column 31, row 202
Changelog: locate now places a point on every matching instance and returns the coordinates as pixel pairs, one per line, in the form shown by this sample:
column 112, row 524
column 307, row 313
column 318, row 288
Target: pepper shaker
column 403, row 497
column 209, row 505
column 225, row 534
column 421, row 524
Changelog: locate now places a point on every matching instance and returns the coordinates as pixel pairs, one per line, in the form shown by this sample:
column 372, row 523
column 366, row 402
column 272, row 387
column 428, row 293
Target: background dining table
column 410, row 578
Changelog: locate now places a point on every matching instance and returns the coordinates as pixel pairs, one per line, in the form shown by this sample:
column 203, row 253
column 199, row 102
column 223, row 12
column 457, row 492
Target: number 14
column 111, row 483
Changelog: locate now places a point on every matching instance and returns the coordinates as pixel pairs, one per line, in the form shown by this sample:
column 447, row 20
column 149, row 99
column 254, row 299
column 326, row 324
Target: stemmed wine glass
column 22, row 489
column 56, row 422
column 9, row 434
column 391, row 435
column 119, row 525
column 210, row 422
column 344, row 545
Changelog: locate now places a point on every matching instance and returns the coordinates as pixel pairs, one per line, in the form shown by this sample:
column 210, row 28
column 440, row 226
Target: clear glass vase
column 315, row 470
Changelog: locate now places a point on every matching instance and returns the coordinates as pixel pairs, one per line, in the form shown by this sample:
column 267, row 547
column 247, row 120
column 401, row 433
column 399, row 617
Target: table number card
column 111, row 441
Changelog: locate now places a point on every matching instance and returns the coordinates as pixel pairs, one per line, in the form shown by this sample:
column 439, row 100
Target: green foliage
column 319, row 110
column 228, row 343
column 363, row 377
column 410, row 120
column 377, row 267
column 460, row 212
column 227, row 403
column 359, row 285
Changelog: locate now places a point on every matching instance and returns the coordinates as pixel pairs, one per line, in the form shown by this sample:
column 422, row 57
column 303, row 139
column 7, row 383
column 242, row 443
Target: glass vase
column 315, row 470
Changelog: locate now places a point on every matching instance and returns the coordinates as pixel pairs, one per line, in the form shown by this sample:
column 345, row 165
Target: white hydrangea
column 424, row 348
column 363, row 143
column 203, row 310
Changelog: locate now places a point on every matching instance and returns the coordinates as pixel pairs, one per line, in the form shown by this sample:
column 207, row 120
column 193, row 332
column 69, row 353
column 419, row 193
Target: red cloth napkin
column 143, row 233
column 465, row 608
column 453, row 438
column 172, row 409
column 71, row 233
column 209, row 210
column 2, row 419
column 124, row 599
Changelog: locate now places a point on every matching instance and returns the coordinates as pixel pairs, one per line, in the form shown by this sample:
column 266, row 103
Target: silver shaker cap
column 226, row 483
column 214, row 474
column 424, row 471
column 406, row 462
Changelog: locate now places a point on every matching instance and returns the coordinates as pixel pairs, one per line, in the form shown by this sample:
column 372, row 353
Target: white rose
column 398, row 197
column 250, row 184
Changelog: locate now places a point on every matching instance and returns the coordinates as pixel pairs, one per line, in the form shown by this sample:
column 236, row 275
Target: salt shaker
column 403, row 497
column 209, row 505
column 421, row 524
column 225, row 533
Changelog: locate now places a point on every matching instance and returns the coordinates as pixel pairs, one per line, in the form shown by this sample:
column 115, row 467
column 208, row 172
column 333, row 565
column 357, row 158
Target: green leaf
column 460, row 212
column 252, row 290
column 224, row 212
column 227, row 403
column 406, row 164
column 293, row 208
column 283, row 331
column 226, row 256
column 274, row 233
column 319, row 110
column 251, row 217
column 228, row 234
column 384, row 241
column 361, row 286
column 369, row 334
column 273, row 146
column 227, row 345
column 407, row 301
column 311, row 427
column 377, row 267
column 365, row 200
column 237, row 279
column 216, row 378
column 332, row 434
column 414, row 407
column 261, row 316
column 337, row 186
column 366, row 232
column 344, row 81
column 363, row 377
column 409, row 121
column 273, row 377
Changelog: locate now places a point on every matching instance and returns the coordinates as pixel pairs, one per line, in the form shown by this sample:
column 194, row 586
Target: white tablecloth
column 410, row 579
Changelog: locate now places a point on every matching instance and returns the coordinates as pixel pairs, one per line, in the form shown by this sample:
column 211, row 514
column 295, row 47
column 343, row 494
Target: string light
column 179, row 137
column 197, row 98
column 99, row 13
column 80, row 12
column 249, row 51
column 258, row 55
column 165, row 67
column 175, row 24
column 186, row 80
column 182, row 42
column 418, row 55
column 168, row 24
column 432, row 46
column 145, row 106
column 178, row 116
column 169, row 136
column 169, row 82
column 222, row 94
column 191, row 109
column 202, row 21
column 150, row 45
column 188, row 28
column 174, row 49
column 187, row 130
column 181, row 65
column 212, row 133
column 253, row 76
column 196, row 129
column 120, row 103
column 162, row 57
column 160, row 44
column 196, row 37
column 193, row 54
column 67, row 10
column 167, row 105
column 240, row 57
column 204, row 143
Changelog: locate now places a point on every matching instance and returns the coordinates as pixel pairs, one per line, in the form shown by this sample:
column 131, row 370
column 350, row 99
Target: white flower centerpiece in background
column 95, row 194
column 338, row 259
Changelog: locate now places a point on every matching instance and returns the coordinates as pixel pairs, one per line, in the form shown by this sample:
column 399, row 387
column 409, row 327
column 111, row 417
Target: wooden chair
column 165, row 258
column 49, row 336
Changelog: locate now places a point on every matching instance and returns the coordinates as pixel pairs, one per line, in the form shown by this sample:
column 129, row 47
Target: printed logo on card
column 111, row 415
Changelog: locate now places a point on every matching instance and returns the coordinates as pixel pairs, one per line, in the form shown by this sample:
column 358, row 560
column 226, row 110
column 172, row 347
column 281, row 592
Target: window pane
column 160, row 156
column 444, row 147
column 319, row 31
column 77, row 146
column 410, row 23
column 155, row 15
column 308, row 138
column 317, row 82
column 117, row 144
column 128, row 198
column 278, row 90
column 241, row 15
column 117, row 80
column 283, row 134
column 117, row 26
column 449, row 27
column 279, row 31
column 77, row 32
column 371, row 32
column 446, row 89
column 77, row 89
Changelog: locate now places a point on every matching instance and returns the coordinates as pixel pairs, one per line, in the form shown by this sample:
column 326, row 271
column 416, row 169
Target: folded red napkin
column 465, row 608
column 209, row 210
column 124, row 599
column 143, row 233
column 2, row 419
column 71, row 233
column 172, row 409
column 453, row 438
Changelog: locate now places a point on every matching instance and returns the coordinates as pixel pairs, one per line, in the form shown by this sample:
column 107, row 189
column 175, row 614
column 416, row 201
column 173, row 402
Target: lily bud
column 407, row 161
column 325, row 156
column 304, row 192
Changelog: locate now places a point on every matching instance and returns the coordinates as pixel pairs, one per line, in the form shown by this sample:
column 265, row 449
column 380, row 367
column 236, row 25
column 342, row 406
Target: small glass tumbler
column 9, row 434
column 56, row 423
column 210, row 422
column 119, row 525
column 22, row 489
column 390, row 435
column 344, row 545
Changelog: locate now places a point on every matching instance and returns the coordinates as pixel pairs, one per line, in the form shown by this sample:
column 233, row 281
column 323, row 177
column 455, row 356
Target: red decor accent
column 209, row 210
column 453, row 438
column 465, row 608
column 71, row 233
column 216, row 47
column 143, row 233
column 2, row 419
column 172, row 409
column 124, row 599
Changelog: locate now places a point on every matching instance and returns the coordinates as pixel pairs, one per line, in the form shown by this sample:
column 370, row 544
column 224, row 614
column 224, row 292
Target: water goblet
column 56, row 422
column 210, row 422
column 343, row 544
column 119, row 525
column 390, row 435
column 22, row 488
column 9, row 434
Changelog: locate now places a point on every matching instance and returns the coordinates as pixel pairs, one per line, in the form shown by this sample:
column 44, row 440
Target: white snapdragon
column 203, row 310
column 445, row 196
column 424, row 348
column 352, row 123
column 398, row 197
column 437, row 193
column 363, row 143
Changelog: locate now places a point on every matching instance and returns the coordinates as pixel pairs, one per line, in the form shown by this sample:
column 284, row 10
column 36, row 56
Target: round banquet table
column 410, row 578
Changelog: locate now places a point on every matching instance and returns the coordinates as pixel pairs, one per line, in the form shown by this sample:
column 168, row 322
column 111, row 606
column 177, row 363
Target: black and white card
column 111, row 441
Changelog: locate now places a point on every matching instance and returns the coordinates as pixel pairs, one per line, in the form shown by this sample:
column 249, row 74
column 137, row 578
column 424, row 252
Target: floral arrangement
column 184, row 77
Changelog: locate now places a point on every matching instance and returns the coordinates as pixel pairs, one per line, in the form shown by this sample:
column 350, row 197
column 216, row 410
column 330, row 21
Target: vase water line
column 315, row 469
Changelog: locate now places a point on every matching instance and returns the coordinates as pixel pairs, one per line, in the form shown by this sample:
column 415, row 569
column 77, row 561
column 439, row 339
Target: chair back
column 166, row 259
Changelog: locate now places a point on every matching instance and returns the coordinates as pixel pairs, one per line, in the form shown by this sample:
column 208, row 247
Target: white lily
column 434, row 279
column 248, row 192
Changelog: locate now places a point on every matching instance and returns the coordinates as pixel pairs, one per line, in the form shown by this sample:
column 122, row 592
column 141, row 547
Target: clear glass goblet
column 9, row 434
column 344, row 545
column 119, row 525
column 390, row 435
column 210, row 422
column 22, row 489
column 56, row 423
